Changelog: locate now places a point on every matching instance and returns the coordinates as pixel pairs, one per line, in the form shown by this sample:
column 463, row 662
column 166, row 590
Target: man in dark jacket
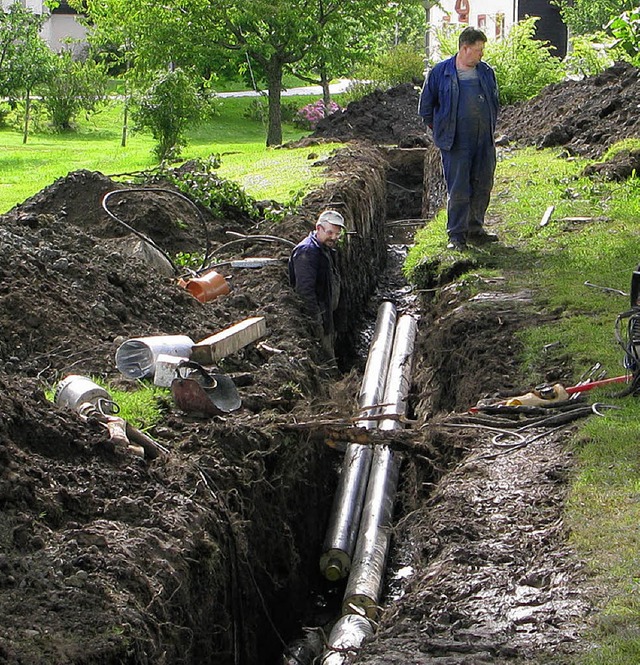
column 459, row 102
column 314, row 275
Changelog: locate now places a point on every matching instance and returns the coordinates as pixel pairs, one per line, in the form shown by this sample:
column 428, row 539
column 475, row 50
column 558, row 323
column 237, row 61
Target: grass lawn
column 264, row 172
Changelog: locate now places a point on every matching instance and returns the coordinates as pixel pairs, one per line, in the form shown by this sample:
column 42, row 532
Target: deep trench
column 289, row 641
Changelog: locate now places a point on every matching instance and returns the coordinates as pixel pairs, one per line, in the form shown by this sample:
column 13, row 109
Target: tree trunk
column 274, row 83
column 326, row 93
column 125, row 121
column 27, row 111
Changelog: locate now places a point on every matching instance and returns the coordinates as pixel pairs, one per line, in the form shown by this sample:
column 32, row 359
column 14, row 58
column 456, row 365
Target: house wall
column 60, row 24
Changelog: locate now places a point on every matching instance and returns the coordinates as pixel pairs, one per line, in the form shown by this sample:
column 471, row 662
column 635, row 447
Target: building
column 495, row 18
column 62, row 24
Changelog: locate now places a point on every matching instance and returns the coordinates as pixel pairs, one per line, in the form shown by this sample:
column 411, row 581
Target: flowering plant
column 310, row 115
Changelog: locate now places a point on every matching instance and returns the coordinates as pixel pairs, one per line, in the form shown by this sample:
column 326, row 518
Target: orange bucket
column 207, row 287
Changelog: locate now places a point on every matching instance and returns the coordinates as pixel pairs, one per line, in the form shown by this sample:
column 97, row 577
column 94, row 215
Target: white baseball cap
column 332, row 217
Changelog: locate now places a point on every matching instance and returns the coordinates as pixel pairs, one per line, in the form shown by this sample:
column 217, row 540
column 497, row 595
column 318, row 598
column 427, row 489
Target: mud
column 209, row 553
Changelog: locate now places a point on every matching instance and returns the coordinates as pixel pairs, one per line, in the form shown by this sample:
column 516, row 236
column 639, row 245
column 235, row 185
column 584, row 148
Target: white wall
column 57, row 27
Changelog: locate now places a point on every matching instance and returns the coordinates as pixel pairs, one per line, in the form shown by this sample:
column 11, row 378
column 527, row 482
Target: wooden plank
column 547, row 215
column 229, row 340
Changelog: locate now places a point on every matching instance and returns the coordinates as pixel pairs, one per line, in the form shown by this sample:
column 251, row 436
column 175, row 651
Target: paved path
column 335, row 88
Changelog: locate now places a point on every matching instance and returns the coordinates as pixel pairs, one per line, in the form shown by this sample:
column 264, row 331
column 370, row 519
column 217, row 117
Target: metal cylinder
column 369, row 559
column 75, row 390
column 345, row 639
column 335, row 561
column 398, row 381
column 136, row 358
column 375, row 371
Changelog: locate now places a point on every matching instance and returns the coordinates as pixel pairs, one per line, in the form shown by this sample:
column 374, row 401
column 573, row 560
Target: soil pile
column 383, row 117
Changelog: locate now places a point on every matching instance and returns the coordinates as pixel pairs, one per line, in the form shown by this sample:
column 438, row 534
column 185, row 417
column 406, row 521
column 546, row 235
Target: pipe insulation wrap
column 345, row 639
column 344, row 522
column 364, row 585
column 375, row 371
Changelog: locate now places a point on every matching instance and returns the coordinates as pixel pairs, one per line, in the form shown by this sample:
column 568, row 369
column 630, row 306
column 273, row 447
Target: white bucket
column 165, row 371
column 136, row 358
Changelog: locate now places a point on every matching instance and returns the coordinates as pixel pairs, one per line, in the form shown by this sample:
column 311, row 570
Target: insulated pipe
column 364, row 585
column 340, row 539
column 345, row 638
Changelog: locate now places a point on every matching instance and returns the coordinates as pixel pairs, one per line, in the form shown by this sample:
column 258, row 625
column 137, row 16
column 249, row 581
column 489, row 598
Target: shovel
column 202, row 394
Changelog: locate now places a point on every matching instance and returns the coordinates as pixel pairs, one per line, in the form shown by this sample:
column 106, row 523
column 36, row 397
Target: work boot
column 481, row 237
column 457, row 245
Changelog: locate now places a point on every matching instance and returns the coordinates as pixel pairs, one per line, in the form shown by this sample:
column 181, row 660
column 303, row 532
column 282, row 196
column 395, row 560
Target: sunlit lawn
column 96, row 145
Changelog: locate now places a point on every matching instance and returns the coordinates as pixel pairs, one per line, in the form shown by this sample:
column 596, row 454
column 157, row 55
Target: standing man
column 459, row 102
column 314, row 275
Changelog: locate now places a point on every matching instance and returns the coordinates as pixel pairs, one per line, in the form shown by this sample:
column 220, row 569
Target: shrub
column 523, row 65
column 73, row 86
column 311, row 114
column 590, row 54
column 168, row 107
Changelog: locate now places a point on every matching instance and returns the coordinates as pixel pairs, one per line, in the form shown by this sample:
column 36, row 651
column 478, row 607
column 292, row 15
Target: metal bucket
column 136, row 358
column 75, row 390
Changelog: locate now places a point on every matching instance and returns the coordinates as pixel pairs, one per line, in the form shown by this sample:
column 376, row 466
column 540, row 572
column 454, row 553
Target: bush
column 311, row 114
column 73, row 86
column 401, row 64
column 523, row 65
column 257, row 109
column 590, row 54
column 167, row 108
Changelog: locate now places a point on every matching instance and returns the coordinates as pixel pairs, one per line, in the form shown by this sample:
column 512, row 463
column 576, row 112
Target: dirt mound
column 383, row 117
column 584, row 116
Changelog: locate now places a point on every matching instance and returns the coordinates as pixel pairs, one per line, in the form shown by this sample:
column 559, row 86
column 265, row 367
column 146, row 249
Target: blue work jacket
column 313, row 274
column 438, row 106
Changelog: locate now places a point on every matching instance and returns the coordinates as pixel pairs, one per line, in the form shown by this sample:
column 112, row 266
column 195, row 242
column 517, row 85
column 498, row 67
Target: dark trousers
column 468, row 168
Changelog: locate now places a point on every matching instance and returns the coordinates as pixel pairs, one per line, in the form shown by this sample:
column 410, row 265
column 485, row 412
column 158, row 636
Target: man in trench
column 459, row 102
column 314, row 275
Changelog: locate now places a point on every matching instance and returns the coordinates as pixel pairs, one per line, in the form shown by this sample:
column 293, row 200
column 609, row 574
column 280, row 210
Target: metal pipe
column 339, row 543
column 345, row 638
column 364, row 585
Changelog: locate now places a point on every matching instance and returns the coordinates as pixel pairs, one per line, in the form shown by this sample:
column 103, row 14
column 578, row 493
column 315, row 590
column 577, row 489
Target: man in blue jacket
column 459, row 102
column 314, row 274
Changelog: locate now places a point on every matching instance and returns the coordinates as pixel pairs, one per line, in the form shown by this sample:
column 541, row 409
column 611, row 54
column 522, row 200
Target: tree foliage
column 589, row 16
column 19, row 40
column 73, row 86
column 167, row 108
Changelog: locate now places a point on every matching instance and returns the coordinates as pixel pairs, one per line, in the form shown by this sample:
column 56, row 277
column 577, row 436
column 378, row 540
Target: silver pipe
column 375, row 371
column 340, row 540
column 364, row 585
column 345, row 638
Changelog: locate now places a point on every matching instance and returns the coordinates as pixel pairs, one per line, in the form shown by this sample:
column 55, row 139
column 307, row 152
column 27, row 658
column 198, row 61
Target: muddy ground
column 209, row 552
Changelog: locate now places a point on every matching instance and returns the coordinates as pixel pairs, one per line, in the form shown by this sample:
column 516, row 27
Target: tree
column 19, row 27
column 588, row 16
column 25, row 59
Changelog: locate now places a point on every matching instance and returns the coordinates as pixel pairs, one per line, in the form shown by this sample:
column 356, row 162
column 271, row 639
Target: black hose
column 207, row 255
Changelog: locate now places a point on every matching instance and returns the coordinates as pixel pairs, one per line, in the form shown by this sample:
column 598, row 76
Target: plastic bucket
column 74, row 390
column 136, row 358
column 208, row 286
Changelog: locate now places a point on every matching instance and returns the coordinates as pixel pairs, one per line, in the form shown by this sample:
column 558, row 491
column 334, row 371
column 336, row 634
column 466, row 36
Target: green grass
column 554, row 261
column 266, row 173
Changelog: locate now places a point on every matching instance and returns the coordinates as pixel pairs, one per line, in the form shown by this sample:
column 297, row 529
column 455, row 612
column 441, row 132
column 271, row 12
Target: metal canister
column 75, row 390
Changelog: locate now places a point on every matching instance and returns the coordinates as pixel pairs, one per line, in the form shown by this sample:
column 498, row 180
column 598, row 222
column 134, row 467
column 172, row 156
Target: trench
column 300, row 634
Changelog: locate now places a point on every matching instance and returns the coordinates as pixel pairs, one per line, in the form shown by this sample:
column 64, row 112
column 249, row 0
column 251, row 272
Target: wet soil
column 209, row 553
